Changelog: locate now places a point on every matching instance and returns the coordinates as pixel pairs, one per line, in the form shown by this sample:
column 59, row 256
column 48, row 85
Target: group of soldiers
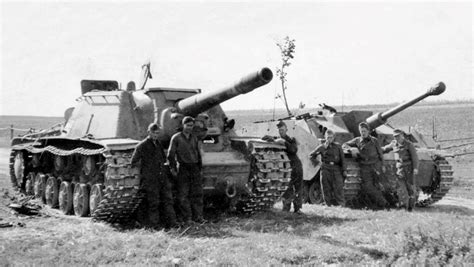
column 183, row 162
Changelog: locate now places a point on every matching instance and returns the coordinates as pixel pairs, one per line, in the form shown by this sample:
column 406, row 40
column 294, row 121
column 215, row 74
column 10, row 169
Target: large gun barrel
column 198, row 103
column 380, row 118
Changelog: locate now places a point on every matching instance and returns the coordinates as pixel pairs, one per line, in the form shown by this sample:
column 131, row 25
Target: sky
column 350, row 53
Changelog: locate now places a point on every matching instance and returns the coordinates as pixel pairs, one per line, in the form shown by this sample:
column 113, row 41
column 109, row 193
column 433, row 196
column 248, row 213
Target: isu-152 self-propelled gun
column 85, row 169
column 435, row 174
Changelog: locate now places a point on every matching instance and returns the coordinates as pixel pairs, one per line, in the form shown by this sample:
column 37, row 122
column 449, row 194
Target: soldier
column 184, row 148
column 150, row 157
column 371, row 163
column 407, row 167
column 295, row 189
column 332, row 170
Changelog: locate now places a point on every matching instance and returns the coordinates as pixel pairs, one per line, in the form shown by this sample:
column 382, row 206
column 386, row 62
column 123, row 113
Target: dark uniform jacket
column 152, row 158
column 369, row 150
column 332, row 156
column 291, row 149
column 184, row 149
column 405, row 153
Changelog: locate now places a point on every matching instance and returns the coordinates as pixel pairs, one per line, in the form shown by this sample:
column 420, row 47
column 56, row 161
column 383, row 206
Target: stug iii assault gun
column 435, row 174
column 86, row 168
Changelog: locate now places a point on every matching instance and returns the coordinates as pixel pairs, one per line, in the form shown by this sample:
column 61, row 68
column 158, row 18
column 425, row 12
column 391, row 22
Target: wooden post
column 11, row 131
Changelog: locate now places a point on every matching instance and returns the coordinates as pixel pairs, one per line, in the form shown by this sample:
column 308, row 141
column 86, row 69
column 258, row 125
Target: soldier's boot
column 411, row 204
column 286, row 205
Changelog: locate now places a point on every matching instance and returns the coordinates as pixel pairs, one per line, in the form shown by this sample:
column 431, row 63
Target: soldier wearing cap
column 371, row 163
column 295, row 188
column 332, row 169
column 150, row 157
column 185, row 163
column 407, row 167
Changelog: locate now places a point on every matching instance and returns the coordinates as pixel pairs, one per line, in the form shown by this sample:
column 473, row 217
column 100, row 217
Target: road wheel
column 65, row 197
column 314, row 193
column 40, row 185
column 30, row 184
column 18, row 170
column 96, row 196
column 81, row 200
column 52, row 192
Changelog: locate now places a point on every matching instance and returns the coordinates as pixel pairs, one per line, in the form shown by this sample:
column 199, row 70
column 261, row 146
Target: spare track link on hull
column 445, row 172
column 271, row 175
column 122, row 189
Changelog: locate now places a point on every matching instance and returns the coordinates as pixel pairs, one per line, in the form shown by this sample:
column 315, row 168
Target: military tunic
column 333, row 164
column 294, row 193
column 407, row 161
column 189, row 181
column 371, row 162
column 149, row 155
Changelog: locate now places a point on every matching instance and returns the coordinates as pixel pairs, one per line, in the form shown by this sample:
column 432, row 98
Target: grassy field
column 438, row 235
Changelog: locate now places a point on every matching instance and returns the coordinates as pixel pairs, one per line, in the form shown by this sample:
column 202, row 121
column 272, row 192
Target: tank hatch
column 89, row 85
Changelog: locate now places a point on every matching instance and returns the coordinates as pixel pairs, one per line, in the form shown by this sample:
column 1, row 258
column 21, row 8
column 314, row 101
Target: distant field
column 25, row 123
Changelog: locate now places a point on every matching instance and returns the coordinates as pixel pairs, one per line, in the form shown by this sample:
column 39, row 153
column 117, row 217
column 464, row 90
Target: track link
column 271, row 174
column 352, row 183
column 443, row 184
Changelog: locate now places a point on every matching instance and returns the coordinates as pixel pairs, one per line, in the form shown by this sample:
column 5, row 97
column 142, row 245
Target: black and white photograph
column 236, row 133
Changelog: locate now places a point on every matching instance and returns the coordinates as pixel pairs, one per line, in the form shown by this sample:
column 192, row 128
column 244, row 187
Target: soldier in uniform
column 371, row 163
column 407, row 167
column 332, row 170
column 184, row 150
column 294, row 193
column 150, row 157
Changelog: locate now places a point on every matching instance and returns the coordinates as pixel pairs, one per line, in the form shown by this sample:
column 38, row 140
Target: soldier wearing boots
column 407, row 167
column 332, row 170
column 294, row 193
column 150, row 157
column 371, row 164
column 184, row 150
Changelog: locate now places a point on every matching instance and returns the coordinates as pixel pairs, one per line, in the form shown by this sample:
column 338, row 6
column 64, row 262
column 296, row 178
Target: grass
column 326, row 235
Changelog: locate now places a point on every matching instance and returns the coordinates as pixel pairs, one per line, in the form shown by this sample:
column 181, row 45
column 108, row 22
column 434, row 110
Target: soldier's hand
column 345, row 147
column 384, row 169
column 344, row 174
column 280, row 141
column 415, row 171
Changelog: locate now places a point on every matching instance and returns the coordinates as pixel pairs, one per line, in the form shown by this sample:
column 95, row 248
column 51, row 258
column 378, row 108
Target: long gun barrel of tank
column 198, row 103
column 380, row 118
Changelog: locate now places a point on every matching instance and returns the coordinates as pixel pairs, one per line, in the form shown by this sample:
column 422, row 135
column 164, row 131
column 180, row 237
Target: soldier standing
column 332, row 170
column 150, row 157
column 294, row 193
column 407, row 166
column 371, row 163
column 184, row 149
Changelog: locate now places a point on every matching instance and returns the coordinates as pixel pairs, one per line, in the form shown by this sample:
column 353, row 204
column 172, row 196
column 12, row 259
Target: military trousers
column 370, row 174
column 406, row 185
column 190, row 191
column 294, row 193
column 158, row 195
column 332, row 184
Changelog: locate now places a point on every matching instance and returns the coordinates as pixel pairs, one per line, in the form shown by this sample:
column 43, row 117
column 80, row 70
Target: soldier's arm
column 379, row 151
column 315, row 152
column 172, row 153
column 199, row 146
column 137, row 155
column 387, row 148
column 351, row 143
column 414, row 156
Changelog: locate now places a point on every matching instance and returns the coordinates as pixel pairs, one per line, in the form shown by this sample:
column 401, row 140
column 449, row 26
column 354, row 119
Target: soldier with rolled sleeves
column 184, row 150
column 371, row 163
column 407, row 166
column 294, row 193
column 150, row 157
column 332, row 170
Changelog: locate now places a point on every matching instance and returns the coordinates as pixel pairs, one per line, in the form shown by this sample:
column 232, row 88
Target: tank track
column 270, row 176
column 445, row 173
column 12, row 169
column 121, row 196
column 122, row 189
column 352, row 183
